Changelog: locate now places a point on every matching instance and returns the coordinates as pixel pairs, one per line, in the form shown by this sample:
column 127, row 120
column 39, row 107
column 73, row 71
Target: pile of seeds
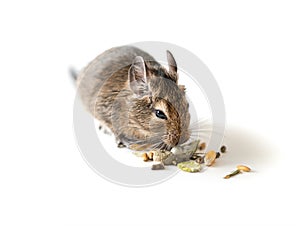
column 188, row 157
column 191, row 157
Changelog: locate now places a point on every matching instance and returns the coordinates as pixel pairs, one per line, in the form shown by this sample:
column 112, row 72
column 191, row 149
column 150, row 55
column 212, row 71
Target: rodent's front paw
column 121, row 145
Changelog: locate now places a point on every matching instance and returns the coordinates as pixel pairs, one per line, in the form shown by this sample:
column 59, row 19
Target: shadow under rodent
column 136, row 98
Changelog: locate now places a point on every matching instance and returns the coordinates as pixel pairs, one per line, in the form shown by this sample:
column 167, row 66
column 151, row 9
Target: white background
column 251, row 47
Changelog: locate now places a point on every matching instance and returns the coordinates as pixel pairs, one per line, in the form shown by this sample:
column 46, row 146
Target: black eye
column 160, row 114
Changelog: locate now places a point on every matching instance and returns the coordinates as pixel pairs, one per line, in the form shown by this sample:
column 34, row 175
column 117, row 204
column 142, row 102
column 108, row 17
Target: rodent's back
column 93, row 76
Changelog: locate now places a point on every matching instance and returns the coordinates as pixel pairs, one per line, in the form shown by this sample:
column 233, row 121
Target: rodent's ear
column 137, row 77
column 172, row 65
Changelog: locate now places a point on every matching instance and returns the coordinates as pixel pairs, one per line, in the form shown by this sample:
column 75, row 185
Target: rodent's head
column 159, row 108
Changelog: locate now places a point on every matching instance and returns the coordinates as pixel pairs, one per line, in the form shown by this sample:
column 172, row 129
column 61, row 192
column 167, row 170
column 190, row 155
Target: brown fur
column 107, row 93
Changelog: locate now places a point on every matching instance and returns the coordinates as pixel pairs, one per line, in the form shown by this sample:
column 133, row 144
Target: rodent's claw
column 121, row 145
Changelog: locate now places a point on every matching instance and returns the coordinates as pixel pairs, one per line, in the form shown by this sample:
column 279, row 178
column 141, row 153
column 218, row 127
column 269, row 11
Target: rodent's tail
column 73, row 73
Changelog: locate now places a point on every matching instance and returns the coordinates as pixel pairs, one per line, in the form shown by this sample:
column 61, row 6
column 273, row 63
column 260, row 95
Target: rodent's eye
column 160, row 114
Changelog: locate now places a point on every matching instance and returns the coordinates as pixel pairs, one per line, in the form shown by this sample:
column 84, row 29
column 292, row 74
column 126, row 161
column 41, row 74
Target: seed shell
column 159, row 166
column 243, row 168
column 210, row 158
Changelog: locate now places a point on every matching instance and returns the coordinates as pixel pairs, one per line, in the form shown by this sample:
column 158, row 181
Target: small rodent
column 136, row 98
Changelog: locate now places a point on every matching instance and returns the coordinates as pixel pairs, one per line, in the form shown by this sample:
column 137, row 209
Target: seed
column 157, row 156
column 150, row 155
column 202, row 146
column 218, row 155
column 232, row 174
column 189, row 166
column 210, row 158
column 243, row 168
column 200, row 160
column 223, row 149
column 158, row 166
column 145, row 157
column 194, row 157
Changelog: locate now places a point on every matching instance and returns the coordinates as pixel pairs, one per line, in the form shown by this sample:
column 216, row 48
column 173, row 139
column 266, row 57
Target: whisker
column 203, row 120
column 208, row 131
column 157, row 145
column 201, row 136
column 205, row 123
column 200, row 130
column 206, row 126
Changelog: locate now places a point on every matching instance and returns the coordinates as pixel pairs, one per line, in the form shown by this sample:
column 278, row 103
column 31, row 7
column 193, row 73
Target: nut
column 202, row 146
column 158, row 166
column 160, row 155
column 194, row 157
column 243, row 168
column 223, row 149
column 210, row 158
column 218, row 155
column 156, row 157
column 145, row 157
column 200, row 160
column 150, row 155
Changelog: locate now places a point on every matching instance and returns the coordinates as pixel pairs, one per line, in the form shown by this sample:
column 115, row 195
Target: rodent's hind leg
column 120, row 143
